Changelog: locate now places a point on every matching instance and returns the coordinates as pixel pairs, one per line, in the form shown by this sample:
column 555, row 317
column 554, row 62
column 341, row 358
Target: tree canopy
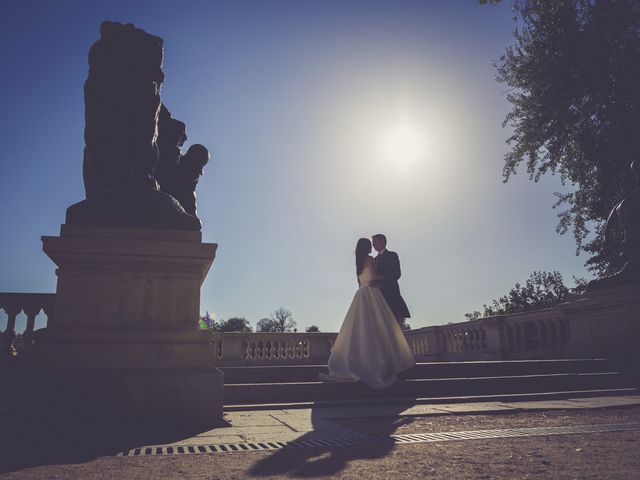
column 235, row 324
column 281, row 321
column 541, row 290
column 574, row 78
column 267, row 324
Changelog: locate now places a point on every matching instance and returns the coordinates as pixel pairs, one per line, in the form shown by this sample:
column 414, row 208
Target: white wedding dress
column 371, row 346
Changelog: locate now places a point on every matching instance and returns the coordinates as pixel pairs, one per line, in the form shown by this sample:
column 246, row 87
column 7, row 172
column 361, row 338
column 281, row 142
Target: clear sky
column 327, row 120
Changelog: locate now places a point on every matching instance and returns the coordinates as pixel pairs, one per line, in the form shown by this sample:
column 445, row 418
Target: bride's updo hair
column 363, row 249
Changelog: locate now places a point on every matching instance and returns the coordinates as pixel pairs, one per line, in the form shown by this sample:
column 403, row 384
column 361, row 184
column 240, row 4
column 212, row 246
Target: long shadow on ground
column 302, row 462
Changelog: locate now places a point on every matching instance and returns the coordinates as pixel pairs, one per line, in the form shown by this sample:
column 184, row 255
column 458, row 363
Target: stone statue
column 172, row 134
column 178, row 174
column 122, row 100
column 627, row 214
column 183, row 185
column 129, row 135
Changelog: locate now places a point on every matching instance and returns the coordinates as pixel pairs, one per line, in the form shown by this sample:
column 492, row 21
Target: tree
column 312, row 328
column 281, row 321
column 405, row 325
column 267, row 325
column 541, row 290
column 235, row 324
column 574, row 74
column 285, row 320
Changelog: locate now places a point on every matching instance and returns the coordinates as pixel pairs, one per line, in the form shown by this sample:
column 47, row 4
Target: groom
column 388, row 265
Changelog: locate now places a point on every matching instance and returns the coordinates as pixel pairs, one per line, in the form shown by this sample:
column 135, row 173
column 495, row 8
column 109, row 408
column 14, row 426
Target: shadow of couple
column 30, row 439
column 328, row 460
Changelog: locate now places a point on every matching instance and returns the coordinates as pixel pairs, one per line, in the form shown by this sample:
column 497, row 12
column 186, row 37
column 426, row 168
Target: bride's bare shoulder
column 368, row 261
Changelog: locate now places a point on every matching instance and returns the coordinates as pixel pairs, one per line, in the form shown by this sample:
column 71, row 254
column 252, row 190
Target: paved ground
column 56, row 453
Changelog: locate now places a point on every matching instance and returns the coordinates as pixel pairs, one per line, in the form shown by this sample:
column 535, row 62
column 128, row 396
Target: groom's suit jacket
column 388, row 264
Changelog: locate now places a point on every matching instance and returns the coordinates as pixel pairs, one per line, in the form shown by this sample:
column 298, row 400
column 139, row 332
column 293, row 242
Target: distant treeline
column 280, row 321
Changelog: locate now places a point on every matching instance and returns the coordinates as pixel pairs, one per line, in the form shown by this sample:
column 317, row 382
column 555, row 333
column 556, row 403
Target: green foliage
column 207, row 322
column 541, row 290
column 574, row 74
column 312, row 328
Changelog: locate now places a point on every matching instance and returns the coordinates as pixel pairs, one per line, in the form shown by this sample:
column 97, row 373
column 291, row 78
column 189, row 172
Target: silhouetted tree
column 312, row 328
column 541, row 290
column 285, row 320
column 267, row 325
column 574, row 74
column 281, row 321
column 235, row 324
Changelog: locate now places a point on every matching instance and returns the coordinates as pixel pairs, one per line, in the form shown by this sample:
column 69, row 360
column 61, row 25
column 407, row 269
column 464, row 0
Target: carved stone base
column 126, row 337
column 136, row 205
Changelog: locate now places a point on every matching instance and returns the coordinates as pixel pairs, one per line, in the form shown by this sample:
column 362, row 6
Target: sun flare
column 404, row 144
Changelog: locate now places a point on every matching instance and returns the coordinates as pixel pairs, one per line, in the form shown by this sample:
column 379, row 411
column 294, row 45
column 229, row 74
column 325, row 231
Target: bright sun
column 404, row 144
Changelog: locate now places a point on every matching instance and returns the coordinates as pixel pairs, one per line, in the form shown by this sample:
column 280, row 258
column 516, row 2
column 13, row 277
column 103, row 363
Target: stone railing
column 539, row 334
column 601, row 324
column 253, row 349
column 12, row 343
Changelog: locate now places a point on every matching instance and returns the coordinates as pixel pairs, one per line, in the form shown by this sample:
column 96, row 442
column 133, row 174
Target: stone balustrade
column 31, row 304
column 599, row 324
column 270, row 348
column 602, row 324
column 531, row 335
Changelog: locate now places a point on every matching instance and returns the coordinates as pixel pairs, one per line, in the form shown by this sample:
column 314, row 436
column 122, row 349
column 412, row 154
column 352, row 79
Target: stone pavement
column 87, row 450
column 35, row 449
column 285, row 425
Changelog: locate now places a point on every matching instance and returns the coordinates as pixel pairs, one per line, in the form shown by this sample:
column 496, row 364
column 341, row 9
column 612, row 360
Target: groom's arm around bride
column 388, row 264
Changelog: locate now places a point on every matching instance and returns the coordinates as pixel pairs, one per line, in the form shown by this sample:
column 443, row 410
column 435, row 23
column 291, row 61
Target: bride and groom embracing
column 371, row 346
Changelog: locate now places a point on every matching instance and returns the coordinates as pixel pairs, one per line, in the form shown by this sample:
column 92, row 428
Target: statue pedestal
column 125, row 335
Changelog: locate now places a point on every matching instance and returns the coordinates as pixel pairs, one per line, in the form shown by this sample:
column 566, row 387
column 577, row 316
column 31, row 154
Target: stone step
column 507, row 398
column 420, row 387
column 309, row 373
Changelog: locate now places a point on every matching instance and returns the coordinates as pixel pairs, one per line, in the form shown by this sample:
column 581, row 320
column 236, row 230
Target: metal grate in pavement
column 391, row 439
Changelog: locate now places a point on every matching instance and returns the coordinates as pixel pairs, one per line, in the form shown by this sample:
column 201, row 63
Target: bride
column 370, row 347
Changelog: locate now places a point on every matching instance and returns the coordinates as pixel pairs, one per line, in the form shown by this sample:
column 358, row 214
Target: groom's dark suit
column 388, row 264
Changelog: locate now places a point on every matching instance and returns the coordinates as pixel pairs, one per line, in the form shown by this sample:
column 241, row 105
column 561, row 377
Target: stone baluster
column 493, row 342
column 48, row 311
column 31, row 312
column 10, row 332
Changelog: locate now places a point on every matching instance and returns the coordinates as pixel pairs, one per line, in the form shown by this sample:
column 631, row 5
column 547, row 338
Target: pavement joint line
column 329, row 442
column 282, row 422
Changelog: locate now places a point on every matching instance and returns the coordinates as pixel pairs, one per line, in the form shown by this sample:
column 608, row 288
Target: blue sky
column 327, row 121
